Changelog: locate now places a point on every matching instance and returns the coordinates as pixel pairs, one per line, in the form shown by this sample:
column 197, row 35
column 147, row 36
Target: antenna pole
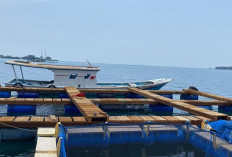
column 89, row 63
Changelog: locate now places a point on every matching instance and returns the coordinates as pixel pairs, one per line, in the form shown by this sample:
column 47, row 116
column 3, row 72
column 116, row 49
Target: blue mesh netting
column 103, row 135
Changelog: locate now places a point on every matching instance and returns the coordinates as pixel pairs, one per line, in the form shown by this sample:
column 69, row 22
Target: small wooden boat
column 77, row 76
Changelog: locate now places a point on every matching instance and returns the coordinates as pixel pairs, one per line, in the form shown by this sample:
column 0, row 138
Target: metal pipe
column 15, row 73
column 22, row 72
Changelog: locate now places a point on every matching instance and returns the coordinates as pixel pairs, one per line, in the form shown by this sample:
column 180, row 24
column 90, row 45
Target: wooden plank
column 51, row 119
column 159, row 119
column 79, row 120
column 180, row 105
column 65, row 119
column 146, row 118
column 135, row 119
column 103, row 101
column 22, row 119
column 208, row 95
column 62, row 90
column 31, row 122
column 123, row 119
column 7, row 118
column 181, row 118
column 37, row 119
column 32, row 89
column 173, row 120
column 46, row 145
column 205, row 102
column 203, row 118
column 89, row 110
column 113, row 119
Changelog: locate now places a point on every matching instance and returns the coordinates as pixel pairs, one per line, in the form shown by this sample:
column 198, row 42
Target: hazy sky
column 180, row 33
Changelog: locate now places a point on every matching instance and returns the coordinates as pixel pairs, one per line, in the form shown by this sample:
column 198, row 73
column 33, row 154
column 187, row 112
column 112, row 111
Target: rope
column 17, row 127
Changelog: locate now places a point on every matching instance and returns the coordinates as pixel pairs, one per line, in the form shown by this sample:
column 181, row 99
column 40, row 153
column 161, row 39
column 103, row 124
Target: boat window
column 87, row 76
column 73, row 76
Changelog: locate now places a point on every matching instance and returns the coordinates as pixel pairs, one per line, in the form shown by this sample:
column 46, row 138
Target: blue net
column 149, row 133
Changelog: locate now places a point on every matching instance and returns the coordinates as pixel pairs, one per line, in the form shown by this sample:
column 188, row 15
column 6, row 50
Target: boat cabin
column 77, row 76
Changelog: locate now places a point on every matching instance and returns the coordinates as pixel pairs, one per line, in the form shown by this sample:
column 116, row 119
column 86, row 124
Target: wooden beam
column 89, row 110
column 34, row 122
column 180, row 105
column 208, row 95
column 62, row 90
column 103, row 101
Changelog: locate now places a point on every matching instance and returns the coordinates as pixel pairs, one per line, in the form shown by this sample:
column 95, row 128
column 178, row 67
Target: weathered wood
column 34, row 122
column 49, row 90
column 89, row 110
column 46, row 145
column 22, row 119
column 180, row 105
column 208, row 95
column 37, row 119
column 7, row 118
column 103, row 101
column 136, row 119
column 62, row 90
column 65, row 119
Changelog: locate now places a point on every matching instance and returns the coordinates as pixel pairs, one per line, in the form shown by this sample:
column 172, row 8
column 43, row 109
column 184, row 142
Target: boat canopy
column 52, row 67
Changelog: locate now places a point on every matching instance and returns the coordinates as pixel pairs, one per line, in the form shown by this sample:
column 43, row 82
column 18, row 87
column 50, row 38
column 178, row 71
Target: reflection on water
column 156, row 150
column 17, row 149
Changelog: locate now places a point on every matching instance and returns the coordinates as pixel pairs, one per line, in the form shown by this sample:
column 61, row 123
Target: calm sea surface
column 207, row 80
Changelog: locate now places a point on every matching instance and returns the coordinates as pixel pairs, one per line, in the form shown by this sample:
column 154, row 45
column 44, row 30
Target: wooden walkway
column 45, row 121
column 93, row 114
column 104, row 101
column 180, row 105
column 89, row 110
column 62, row 90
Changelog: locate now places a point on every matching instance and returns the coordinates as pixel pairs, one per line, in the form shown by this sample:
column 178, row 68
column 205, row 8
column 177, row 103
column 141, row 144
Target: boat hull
column 150, row 84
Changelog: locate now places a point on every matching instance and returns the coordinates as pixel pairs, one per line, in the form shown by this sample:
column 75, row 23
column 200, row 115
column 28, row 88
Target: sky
column 172, row 33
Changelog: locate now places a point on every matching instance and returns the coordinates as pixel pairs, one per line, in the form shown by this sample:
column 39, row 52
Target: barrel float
column 23, row 108
column 63, row 95
column 189, row 96
column 28, row 95
column 5, row 94
column 162, row 107
column 133, row 96
column 71, row 109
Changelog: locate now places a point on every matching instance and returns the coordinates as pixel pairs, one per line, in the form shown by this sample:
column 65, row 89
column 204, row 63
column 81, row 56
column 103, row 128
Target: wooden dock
column 92, row 114
column 89, row 110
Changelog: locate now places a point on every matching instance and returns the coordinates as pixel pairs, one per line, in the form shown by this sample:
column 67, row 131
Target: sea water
column 207, row 80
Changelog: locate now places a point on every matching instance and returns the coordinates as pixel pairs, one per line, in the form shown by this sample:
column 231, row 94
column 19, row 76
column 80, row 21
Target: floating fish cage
column 146, row 134
column 71, row 108
column 92, row 125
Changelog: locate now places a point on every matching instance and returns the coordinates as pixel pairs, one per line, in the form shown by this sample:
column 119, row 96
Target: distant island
column 224, row 68
column 30, row 58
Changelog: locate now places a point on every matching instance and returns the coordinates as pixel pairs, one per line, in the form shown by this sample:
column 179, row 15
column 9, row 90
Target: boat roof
column 51, row 66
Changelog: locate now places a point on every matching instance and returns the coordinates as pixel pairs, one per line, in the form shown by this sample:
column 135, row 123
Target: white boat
column 77, row 76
